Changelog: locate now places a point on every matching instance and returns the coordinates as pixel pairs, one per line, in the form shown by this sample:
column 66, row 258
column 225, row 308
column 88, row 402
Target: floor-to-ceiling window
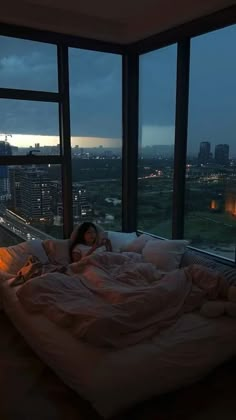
column 30, row 192
column 210, row 210
column 32, row 159
column 96, row 136
column 157, row 96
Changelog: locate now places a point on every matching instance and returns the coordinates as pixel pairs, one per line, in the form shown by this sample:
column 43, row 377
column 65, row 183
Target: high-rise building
column 81, row 207
column 80, row 202
column 204, row 155
column 5, row 150
column 36, row 197
column 222, row 154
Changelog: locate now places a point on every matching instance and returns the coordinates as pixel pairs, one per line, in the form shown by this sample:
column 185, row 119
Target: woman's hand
column 107, row 243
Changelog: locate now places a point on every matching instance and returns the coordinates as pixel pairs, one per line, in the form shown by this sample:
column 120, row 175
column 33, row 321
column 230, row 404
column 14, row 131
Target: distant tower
column 5, row 150
column 222, row 154
column 204, row 154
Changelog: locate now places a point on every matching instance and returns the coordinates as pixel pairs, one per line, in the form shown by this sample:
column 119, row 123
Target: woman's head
column 86, row 234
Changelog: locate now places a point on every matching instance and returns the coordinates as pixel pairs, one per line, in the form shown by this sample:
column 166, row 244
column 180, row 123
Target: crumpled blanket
column 117, row 300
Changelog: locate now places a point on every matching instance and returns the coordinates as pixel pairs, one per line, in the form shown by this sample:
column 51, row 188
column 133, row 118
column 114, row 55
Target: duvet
column 117, row 300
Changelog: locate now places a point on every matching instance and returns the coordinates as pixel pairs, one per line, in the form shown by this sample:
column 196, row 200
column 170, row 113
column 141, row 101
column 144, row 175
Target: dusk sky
column 95, row 93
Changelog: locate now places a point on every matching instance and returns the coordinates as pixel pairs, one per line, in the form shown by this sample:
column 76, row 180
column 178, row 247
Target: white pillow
column 119, row 240
column 57, row 250
column 13, row 258
column 137, row 244
column 164, row 254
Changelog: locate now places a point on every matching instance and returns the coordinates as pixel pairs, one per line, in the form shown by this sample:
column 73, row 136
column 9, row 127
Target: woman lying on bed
column 87, row 242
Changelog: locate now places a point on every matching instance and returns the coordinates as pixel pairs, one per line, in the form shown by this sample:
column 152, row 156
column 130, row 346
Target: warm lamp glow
column 230, row 206
column 213, row 204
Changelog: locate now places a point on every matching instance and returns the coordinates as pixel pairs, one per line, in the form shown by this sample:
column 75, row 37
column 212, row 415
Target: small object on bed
column 213, row 309
column 32, row 268
column 13, row 258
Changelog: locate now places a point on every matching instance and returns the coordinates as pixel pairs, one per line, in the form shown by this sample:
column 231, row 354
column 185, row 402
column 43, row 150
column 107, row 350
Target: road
column 19, row 228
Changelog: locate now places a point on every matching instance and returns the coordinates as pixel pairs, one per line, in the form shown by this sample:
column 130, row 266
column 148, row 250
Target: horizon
column 89, row 143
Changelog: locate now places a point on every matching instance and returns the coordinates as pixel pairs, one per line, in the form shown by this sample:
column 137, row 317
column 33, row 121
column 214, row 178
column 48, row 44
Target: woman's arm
column 76, row 255
column 90, row 251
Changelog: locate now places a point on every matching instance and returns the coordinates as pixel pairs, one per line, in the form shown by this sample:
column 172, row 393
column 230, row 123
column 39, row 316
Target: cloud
column 28, row 65
column 28, row 117
column 157, row 135
column 96, row 91
column 96, row 94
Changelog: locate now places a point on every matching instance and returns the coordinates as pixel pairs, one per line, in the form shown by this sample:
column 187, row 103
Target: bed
column 113, row 378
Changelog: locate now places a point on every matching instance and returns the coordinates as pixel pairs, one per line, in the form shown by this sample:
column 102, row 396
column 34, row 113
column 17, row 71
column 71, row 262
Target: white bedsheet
column 113, row 380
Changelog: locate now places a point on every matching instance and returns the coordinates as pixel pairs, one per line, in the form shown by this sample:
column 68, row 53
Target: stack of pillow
column 166, row 255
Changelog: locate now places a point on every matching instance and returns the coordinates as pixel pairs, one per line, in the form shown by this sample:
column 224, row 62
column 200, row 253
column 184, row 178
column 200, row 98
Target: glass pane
column 31, row 204
column 96, row 127
column 28, row 65
column 28, row 127
column 156, row 141
column 210, row 214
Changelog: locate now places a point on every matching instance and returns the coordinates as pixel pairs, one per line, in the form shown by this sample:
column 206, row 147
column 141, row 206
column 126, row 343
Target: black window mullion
column 29, row 95
column 181, row 128
column 64, row 122
column 130, row 83
column 31, row 160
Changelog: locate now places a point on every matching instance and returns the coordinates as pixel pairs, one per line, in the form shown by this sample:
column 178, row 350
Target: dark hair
column 79, row 235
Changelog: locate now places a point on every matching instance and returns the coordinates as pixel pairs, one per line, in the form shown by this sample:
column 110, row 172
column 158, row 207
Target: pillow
column 137, row 244
column 57, row 250
column 119, row 240
column 100, row 231
column 166, row 255
column 12, row 258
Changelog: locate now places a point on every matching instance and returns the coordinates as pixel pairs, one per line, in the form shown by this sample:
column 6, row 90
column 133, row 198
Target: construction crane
column 6, row 136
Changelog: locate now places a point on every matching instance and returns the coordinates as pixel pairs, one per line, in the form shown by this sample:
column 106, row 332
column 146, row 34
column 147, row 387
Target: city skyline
column 27, row 140
column 37, row 142
column 95, row 91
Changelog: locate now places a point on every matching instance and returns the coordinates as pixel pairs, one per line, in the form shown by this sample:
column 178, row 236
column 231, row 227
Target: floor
column 31, row 391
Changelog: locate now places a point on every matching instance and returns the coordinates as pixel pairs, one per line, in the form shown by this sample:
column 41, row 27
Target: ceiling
column 119, row 21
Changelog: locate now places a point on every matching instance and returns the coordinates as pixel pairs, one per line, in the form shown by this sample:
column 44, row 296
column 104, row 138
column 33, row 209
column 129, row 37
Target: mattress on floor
column 113, row 380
